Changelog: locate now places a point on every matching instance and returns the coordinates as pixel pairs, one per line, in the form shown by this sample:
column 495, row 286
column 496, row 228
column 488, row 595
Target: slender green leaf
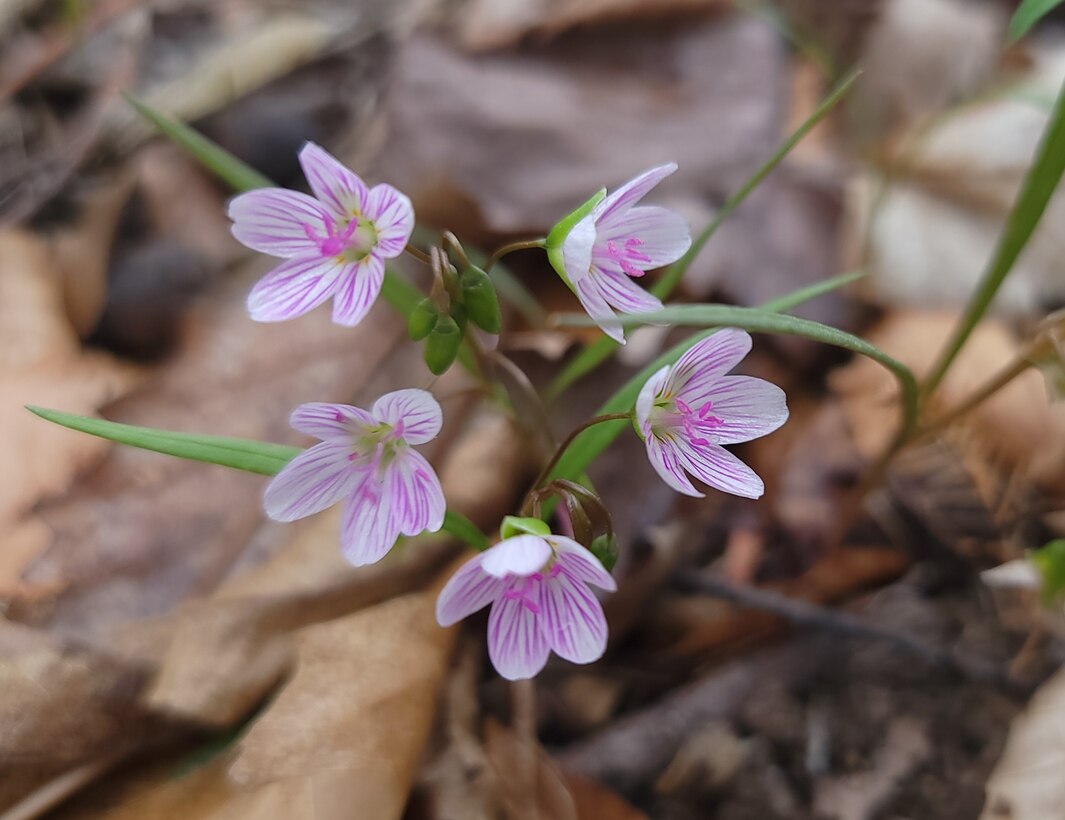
column 251, row 456
column 601, row 350
column 234, row 172
column 1039, row 184
column 1029, row 13
column 589, row 444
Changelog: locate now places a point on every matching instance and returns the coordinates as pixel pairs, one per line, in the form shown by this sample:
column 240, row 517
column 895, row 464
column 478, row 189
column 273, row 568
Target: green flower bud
column 442, row 345
column 605, row 548
column 479, row 297
column 422, row 320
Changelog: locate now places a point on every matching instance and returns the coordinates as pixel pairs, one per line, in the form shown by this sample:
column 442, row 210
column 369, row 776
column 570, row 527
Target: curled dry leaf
column 361, row 702
column 1018, row 424
column 1026, row 783
column 41, row 362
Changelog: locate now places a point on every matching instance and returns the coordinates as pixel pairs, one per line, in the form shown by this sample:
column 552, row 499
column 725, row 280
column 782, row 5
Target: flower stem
column 562, row 447
column 513, row 246
column 418, row 254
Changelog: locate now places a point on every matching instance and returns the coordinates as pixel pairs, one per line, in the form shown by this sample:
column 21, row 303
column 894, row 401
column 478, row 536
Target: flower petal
column 720, row 469
column 595, row 305
column 582, row 564
column 293, row 288
column 368, row 529
column 413, row 494
column 330, row 421
column 467, row 591
column 337, row 186
column 393, row 218
column 415, row 410
column 577, row 251
column 516, row 645
column 631, row 192
column 665, row 458
column 646, row 399
column 520, row 555
column 624, row 295
column 275, row 221
column 664, row 235
column 572, row 619
column 315, row 479
column 708, row 360
column 357, row 290
column 748, row 408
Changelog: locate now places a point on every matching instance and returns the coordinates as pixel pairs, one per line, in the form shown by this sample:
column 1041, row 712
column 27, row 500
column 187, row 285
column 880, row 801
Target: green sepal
column 514, row 525
column 422, row 320
column 1050, row 561
column 442, row 345
column 479, row 297
column 605, row 548
column 558, row 234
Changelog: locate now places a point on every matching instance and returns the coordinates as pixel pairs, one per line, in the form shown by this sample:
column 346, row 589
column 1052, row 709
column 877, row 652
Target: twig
column 804, row 613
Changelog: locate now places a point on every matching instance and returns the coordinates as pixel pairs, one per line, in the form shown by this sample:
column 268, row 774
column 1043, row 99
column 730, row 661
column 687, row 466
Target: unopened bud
column 442, row 345
column 605, row 548
column 422, row 320
column 479, row 297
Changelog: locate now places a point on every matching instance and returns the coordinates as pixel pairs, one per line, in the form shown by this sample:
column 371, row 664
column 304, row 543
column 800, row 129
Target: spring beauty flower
column 610, row 240
column 686, row 411
column 537, row 584
column 365, row 460
column 334, row 244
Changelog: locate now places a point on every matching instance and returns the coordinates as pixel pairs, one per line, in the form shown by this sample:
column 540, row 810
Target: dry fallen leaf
column 1018, row 424
column 1027, row 782
column 41, row 362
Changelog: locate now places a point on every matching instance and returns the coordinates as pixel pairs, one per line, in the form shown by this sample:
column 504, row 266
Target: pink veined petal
column 315, row 479
column 581, row 564
column 592, row 300
column 357, row 290
column 275, row 221
column 717, row 467
column 748, row 408
column 696, row 372
column 646, row 399
column 368, row 529
column 393, row 218
column 624, row 295
column 665, row 458
column 467, row 591
column 416, row 410
column 293, row 288
column 572, row 619
column 664, row 235
column 577, row 250
column 337, row 186
column 413, row 494
column 516, row 645
column 631, row 192
column 330, row 421
column 519, row 555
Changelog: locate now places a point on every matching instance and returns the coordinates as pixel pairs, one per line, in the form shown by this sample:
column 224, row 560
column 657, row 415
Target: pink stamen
column 699, row 423
column 523, row 590
column 627, row 257
column 333, row 243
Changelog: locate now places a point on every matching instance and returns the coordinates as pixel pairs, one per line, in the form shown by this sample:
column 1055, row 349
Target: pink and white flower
column 617, row 240
column 538, row 588
column 334, row 244
column 365, row 460
column 687, row 411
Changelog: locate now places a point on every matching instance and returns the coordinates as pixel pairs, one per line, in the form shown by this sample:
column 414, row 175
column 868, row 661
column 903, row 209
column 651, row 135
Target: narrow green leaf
column 1039, row 184
column 601, row 350
column 1029, row 13
column 252, row 456
column 234, row 172
column 240, row 454
column 589, row 444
